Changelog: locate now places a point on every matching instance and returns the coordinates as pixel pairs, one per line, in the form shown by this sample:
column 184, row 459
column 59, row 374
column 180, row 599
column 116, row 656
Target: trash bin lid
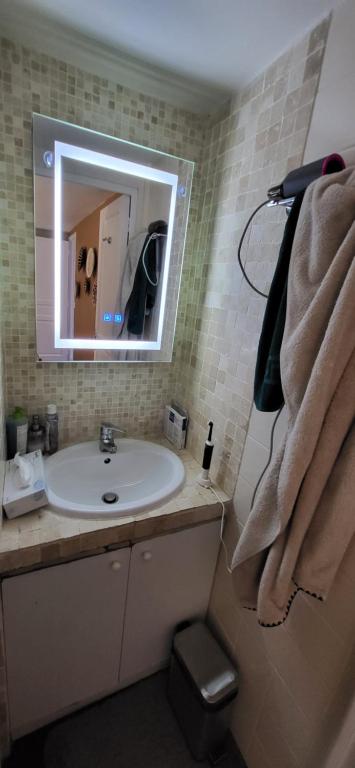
column 208, row 666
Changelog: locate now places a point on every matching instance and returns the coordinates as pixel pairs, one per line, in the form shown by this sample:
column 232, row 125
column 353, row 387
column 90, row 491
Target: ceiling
column 79, row 202
column 216, row 44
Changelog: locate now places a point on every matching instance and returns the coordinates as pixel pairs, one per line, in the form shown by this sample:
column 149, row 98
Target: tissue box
column 18, row 501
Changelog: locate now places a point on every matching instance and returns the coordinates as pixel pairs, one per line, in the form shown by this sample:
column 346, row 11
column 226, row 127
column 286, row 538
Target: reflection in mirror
column 109, row 245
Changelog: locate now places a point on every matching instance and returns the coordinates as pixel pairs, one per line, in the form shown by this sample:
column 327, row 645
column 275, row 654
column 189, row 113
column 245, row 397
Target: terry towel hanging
column 303, row 519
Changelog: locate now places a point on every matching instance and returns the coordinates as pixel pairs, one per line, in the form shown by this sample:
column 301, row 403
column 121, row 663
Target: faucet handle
column 107, row 426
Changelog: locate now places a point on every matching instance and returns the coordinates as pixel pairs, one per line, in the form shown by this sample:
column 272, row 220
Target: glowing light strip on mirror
column 90, row 157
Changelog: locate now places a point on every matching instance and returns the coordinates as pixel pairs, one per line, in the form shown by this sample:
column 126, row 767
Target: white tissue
column 24, row 473
column 25, row 485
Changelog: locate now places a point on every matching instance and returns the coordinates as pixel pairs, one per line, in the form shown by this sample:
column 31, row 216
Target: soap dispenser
column 51, row 429
column 36, row 435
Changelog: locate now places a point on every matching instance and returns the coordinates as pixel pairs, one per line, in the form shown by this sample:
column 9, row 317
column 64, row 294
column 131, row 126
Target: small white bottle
column 51, row 429
column 36, row 436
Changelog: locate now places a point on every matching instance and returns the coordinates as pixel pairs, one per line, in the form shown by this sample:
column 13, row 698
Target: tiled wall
column 246, row 151
column 295, row 695
column 295, row 705
column 132, row 395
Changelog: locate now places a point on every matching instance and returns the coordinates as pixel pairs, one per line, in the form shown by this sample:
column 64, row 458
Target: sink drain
column 109, row 497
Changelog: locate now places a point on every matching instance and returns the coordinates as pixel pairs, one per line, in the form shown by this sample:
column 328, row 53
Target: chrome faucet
column 107, row 443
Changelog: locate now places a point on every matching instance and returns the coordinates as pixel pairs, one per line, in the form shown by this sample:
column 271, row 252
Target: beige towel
column 304, row 515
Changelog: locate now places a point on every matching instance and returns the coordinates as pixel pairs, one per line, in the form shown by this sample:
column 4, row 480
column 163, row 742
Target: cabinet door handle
column 115, row 565
column 147, row 555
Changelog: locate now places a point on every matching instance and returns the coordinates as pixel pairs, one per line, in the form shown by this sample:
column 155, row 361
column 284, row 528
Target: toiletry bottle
column 36, row 435
column 51, row 429
column 16, row 432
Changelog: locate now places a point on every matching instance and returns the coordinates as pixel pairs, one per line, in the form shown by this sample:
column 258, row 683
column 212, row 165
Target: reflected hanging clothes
column 142, row 299
column 137, row 297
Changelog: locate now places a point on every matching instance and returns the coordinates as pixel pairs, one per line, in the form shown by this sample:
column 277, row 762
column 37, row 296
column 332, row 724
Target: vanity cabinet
column 63, row 635
column 170, row 581
column 79, row 631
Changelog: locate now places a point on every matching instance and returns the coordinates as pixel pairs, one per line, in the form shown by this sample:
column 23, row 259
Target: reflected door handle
column 147, row 556
column 107, row 240
column 116, row 565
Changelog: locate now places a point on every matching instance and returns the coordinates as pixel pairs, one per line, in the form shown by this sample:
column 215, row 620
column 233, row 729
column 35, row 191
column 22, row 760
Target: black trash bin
column 202, row 686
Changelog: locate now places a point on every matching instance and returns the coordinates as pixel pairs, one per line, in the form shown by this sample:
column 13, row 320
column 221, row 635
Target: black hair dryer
column 298, row 180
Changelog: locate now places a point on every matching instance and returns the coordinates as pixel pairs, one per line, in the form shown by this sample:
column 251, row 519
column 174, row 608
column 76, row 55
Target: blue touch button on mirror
column 118, row 318
column 107, row 317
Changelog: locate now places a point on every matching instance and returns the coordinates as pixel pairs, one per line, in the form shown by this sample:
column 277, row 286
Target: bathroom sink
column 83, row 482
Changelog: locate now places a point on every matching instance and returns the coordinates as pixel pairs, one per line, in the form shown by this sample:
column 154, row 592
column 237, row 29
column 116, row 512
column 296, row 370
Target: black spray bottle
column 204, row 477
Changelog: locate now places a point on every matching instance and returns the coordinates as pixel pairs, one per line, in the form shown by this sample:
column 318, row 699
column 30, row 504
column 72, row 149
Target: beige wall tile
column 273, row 741
column 243, row 498
column 290, row 719
column 255, row 458
column 85, row 393
column 338, row 610
column 306, row 683
column 257, row 757
column 247, row 709
column 316, row 641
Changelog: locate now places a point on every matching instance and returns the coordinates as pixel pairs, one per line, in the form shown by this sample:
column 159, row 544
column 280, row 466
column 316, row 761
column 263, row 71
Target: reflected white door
column 114, row 229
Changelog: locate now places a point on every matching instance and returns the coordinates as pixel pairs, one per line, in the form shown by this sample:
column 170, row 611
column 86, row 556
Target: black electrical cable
column 265, row 296
column 241, row 241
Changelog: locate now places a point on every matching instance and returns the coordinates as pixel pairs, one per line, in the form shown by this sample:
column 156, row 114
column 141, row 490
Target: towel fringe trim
column 289, row 604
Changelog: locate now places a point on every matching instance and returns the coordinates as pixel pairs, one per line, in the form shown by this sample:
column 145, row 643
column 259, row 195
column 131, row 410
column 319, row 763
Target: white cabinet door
column 63, row 634
column 170, row 580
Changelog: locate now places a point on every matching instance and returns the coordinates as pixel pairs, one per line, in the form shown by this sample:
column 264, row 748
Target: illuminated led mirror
column 110, row 224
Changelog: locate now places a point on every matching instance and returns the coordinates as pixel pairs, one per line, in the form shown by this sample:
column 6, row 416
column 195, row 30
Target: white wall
column 332, row 126
column 255, row 457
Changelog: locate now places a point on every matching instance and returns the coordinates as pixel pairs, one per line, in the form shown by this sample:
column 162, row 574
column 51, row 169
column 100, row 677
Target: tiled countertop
column 44, row 537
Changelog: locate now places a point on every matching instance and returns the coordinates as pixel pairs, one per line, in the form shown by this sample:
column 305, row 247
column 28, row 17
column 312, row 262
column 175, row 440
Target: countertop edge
column 98, row 541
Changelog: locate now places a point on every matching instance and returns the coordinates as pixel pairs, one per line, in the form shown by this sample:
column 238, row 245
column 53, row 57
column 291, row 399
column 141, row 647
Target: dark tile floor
column 134, row 728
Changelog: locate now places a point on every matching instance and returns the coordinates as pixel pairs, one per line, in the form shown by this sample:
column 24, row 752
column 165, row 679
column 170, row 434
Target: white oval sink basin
column 142, row 475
